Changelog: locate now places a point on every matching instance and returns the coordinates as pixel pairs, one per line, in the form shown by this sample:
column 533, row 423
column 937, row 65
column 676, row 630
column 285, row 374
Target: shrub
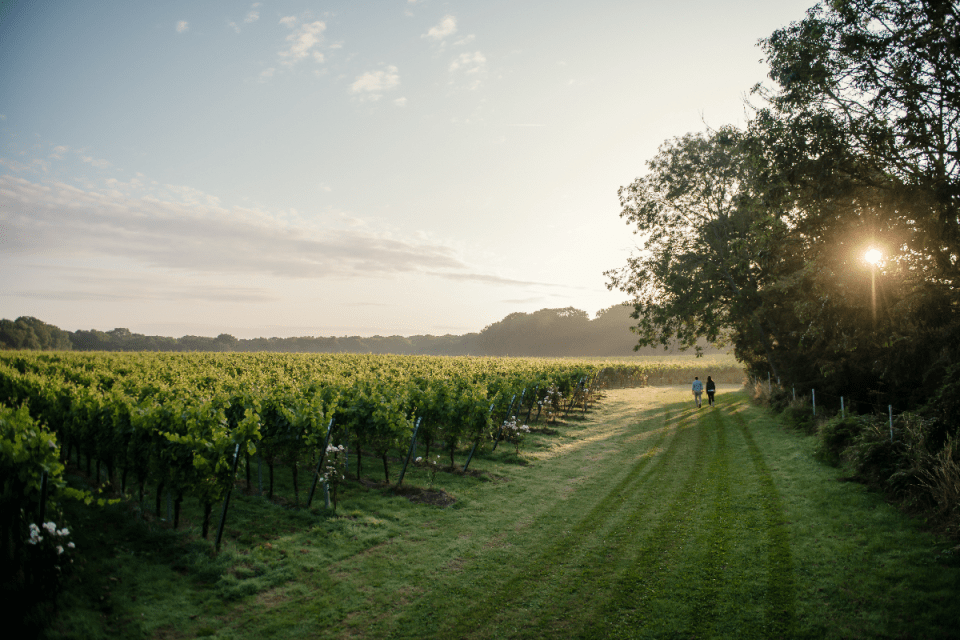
column 34, row 553
column 895, row 466
column 836, row 435
column 942, row 481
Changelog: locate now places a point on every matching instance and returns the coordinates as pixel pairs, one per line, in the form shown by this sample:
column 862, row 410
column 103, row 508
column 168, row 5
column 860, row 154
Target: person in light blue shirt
column 697, row 390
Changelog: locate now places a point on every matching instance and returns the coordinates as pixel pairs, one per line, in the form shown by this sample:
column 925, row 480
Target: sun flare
column 873, row 255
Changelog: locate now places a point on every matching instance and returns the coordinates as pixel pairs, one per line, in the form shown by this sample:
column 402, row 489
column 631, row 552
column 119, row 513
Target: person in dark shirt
column 711, row 390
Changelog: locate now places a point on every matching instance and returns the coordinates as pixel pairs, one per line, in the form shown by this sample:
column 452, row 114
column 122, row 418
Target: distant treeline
column 544, row 333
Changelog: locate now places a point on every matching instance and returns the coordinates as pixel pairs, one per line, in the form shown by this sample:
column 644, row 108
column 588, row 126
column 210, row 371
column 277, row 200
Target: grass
column 645, row 518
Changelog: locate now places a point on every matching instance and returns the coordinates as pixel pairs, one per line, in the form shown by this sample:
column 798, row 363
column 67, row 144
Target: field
column 643, row 517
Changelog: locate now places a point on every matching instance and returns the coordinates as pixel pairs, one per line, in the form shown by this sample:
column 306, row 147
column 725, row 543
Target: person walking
column 697, row 390
column 711, row 390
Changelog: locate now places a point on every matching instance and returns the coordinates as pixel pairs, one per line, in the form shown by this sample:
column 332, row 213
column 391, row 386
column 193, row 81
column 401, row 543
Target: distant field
column 659, row 370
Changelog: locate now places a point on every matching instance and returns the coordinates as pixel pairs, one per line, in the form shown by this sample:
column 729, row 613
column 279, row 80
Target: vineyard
column 187, row 424
column 150, row 426
column 615, row 512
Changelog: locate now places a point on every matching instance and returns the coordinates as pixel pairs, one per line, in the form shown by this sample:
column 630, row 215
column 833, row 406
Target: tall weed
column 942, row 481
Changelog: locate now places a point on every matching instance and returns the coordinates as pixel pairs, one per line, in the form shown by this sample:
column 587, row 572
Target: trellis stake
column 323, row 454
column 226, row 499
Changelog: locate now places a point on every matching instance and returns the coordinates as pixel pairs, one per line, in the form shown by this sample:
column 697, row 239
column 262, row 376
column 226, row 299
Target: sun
column 873, row 255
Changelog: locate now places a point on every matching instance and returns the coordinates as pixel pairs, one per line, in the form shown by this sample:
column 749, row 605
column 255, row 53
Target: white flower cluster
column 514, row 432
column 334, row 463
column 552, row 402
column 510, row 426
column 51, row 530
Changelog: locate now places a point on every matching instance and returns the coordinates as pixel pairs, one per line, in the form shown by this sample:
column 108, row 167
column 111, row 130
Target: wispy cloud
column 471, row 66
column 447, row 26
column 372, row 84
column 303, row 42
column 252, row 16
column 99, row 164
column 194, row 233
column 470, row 63
column 492, row 279
column 89, row 284
column 183, row 26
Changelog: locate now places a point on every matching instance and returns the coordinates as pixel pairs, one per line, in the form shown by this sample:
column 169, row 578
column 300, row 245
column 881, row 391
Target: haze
column 335, row 168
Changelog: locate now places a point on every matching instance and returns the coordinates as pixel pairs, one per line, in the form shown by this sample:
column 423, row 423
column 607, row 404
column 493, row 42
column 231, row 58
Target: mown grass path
column 647, row 518
column 669, row 521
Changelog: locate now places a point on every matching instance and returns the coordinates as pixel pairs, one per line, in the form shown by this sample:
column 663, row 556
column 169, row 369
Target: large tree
column 27, row 332
column 880, row 79
column 706, row 239
column 762, row 233
column 861, row 135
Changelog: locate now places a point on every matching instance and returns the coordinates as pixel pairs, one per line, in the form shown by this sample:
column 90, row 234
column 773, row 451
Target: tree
column 30, row 333
column 861, row 137
column 883, row 78
column 545, row 332
column 706, row 246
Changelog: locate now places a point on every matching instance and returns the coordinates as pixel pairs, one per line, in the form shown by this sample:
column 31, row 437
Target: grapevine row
column 179, row 420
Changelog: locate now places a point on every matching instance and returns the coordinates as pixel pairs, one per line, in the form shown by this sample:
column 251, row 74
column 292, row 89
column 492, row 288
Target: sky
column 302, row 168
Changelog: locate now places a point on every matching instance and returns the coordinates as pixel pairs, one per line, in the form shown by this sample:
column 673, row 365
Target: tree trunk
column 159, row 496
column 176, row 510
column 207, row 508
column 296, row 486
column 386, row 471
column 270, row 468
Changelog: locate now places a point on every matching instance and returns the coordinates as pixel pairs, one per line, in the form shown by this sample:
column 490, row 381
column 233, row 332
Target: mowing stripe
column 780, row 609
column 554, row 561
column 629, row 607
column 574, row 599
column 716, row 535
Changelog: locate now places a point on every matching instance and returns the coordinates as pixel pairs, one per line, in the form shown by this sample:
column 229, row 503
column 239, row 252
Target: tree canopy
column 757, row 236
column 545, row 333
column 29, row 333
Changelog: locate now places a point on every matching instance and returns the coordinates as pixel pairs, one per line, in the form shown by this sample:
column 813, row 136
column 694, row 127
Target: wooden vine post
column 323, row 455
column 226, row 500
column 505, row 417
column 470, row 457
column 413, row 444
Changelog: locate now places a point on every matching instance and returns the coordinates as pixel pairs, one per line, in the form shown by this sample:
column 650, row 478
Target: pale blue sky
column 342, row 168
